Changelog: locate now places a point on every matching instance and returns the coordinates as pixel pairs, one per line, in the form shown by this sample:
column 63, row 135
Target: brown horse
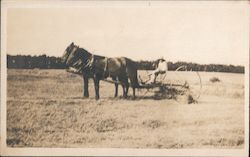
column 100, row 67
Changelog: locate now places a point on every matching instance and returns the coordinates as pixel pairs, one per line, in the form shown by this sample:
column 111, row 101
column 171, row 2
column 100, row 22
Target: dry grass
column 45, row 108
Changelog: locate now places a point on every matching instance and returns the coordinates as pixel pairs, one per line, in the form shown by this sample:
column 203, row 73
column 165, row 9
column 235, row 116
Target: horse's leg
column 116, row 89
column 96, row 82
column 86, row 86
column 122, row 81
column 116, row 86
column 133, row 84
column 134, row 93
column 124, row 91
column 126, row 86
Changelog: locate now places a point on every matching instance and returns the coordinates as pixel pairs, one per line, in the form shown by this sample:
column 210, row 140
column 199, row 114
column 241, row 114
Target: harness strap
column 90, row 62
column 105, row 71
column 78, row 65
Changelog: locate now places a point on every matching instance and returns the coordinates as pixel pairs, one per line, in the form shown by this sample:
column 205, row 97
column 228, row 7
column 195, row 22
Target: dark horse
column 100, row 67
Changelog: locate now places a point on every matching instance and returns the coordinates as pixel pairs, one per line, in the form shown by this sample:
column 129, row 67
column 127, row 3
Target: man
column 161, row 68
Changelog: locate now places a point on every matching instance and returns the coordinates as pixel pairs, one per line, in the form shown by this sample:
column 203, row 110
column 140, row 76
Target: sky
column 194, row 32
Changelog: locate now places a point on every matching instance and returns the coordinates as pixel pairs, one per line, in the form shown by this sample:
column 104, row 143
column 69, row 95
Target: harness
column 79, row 65
column 105, row 70
column 90, row 62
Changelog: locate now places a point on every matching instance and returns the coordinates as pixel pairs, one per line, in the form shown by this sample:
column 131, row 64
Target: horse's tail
column 131, row 68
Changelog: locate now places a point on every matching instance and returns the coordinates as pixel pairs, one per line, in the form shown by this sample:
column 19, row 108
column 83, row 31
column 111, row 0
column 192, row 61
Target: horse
column 100, row 67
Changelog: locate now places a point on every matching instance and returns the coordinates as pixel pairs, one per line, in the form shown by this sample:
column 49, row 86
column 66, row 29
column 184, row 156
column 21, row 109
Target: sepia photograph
column 151, row 78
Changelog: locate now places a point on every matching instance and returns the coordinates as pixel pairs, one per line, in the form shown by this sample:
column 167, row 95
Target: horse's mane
column 82, row 50
column 87, row 53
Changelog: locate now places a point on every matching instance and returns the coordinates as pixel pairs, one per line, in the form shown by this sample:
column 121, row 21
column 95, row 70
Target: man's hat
column 161, row 59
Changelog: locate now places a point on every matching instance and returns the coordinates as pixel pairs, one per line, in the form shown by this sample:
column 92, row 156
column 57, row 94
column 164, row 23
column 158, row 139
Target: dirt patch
column 109, row 125
column 153, row 124
column 214, row 79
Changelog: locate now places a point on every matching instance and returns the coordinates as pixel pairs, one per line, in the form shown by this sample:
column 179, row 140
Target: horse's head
column 69, row 56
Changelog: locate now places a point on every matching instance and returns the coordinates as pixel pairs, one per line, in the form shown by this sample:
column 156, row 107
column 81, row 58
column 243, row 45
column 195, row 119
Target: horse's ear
column 72, row 43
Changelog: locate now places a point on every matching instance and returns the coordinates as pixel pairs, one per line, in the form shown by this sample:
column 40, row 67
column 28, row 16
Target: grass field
column 45, row 108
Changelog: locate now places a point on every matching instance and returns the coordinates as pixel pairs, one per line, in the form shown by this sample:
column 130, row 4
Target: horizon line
column 135, row 60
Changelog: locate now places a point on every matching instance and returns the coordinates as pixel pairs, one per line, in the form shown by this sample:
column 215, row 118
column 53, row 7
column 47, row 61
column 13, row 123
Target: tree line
column 31, row 62
column 51, row 62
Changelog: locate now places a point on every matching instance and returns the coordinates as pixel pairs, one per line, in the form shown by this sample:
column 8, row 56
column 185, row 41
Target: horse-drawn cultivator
column 161, row 89
column 124, row 71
